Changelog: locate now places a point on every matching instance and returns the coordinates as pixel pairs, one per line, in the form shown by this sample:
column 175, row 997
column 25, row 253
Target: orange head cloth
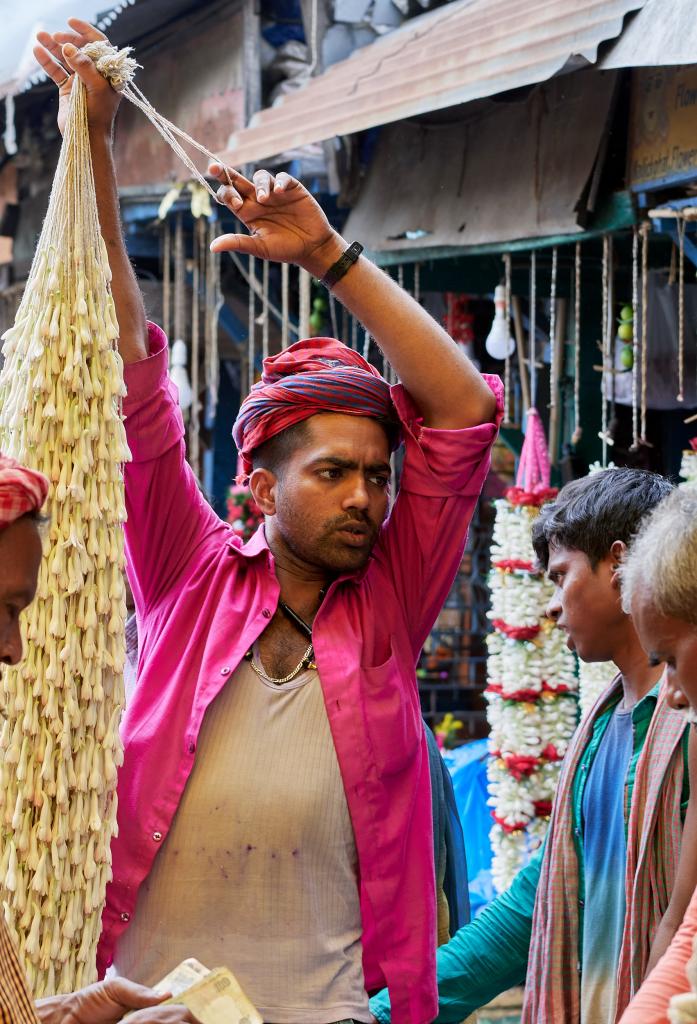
column 22, row 490
column 312, row 376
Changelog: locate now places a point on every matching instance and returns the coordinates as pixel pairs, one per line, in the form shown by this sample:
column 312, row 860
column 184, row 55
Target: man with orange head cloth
column 275, row 800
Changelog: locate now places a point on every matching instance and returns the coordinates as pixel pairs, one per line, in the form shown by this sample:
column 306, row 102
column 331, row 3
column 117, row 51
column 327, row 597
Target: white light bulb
column 179, row 376
column 499, row 343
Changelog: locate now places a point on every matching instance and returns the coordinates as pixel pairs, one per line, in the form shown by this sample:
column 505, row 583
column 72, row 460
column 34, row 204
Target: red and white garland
column 532, row 685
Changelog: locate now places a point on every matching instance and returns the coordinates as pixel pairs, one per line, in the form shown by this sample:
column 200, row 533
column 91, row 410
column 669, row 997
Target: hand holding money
column 107, row 1001
column 214, row 997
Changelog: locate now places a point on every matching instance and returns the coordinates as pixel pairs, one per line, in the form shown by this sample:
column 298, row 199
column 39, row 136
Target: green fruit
column 625, row 332
column 316, row 321
column 320, row 304
column 627, row 358
column 627, row 314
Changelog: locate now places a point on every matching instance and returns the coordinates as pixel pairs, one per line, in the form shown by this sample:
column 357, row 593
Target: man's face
column 674, row 642
column 332, row 496
column 586, row 602
column 20, row 556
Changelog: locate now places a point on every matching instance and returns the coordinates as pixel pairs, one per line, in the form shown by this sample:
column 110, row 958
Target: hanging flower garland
column 593, row 678
column 688, row 468
column 531, row 692
column 243, row 513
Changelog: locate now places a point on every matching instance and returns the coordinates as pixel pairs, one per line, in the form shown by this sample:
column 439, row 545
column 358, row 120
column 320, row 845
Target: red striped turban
column 22, row 490
column 312, row 376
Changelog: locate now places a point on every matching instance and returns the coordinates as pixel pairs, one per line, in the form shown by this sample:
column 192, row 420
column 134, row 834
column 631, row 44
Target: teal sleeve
column 484, row 958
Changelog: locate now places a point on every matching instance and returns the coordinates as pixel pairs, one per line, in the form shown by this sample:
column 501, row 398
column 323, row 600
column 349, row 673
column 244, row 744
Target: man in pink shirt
column 299, row 854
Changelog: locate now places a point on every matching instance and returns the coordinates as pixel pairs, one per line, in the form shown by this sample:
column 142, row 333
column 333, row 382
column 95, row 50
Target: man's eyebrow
column 339, row 463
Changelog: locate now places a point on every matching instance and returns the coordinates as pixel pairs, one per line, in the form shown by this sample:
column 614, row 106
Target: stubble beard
column 326, row 552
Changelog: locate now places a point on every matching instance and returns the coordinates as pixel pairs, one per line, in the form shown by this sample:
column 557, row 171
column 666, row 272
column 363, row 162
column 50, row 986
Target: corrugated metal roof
column 466, row 50
column 458, row 185
column 663, row 34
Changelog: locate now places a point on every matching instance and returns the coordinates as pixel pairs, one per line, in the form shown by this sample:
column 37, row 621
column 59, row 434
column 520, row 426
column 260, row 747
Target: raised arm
column 60, row 58
column 288, row 225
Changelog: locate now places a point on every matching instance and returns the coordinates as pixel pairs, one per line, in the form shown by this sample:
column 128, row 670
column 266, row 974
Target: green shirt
column 490, row 954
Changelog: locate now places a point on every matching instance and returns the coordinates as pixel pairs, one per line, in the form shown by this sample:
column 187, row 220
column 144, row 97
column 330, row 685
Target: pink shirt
column 202, row 599
column 668, row 978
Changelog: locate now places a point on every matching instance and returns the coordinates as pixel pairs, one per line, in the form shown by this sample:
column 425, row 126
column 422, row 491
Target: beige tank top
column 259, row 870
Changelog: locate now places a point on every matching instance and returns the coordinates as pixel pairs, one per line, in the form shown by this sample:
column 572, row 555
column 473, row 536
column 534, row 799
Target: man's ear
column 263, row 484
column 617, row 554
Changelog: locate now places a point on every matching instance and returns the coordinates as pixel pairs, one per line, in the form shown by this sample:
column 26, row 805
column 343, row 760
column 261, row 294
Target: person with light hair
column 659, row 590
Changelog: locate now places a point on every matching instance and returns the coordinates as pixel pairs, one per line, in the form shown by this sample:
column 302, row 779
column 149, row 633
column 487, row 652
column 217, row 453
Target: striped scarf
column 312, row 376
column 653, row 846
column 22, row 490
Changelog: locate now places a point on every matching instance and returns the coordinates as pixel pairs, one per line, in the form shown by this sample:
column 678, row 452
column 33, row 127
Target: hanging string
column 119, row 68
column 644, row 324
column 194, row 445
column 305, row 288
column 179, row 271
column 366, row 346
column 314, row 37
column 556, row 342
column 265, row 309
column 251, row 323
column 417, row 282
column 605, row 348
column 255, row 284
column 554, row 361
column 333, row 316
column 635, row 339
column 214, row 303
column 507, row 365
column 680, row 397
column 166, row 277
column 285, row 316
column 533, row 328
column 578, row 430
column 354, row 334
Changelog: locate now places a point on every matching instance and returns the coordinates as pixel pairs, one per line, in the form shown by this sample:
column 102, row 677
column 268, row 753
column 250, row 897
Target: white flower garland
column 593, row 678
column 532, row 707
column 688, row 468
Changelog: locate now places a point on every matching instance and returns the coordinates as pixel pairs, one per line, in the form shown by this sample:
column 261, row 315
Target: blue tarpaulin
column 467, row 767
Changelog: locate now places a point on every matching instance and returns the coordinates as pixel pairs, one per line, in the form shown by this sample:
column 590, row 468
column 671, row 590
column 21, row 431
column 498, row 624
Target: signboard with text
column 663, row 127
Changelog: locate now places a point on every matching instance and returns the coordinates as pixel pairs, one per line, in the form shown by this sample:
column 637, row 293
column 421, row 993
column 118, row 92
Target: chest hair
column 281, row 646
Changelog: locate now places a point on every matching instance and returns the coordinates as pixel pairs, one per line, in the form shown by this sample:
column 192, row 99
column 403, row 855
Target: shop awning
column 663, row 34
column 510, row 171
column 467, row 50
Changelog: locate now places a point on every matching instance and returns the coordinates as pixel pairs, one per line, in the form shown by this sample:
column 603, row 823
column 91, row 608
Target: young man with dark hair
column 592, row 911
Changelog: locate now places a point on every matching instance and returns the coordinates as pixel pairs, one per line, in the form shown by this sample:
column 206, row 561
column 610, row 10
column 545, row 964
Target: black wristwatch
column 344, row 263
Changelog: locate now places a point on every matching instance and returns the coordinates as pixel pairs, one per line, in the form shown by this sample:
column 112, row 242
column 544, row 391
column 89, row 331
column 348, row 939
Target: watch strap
column 342, row 265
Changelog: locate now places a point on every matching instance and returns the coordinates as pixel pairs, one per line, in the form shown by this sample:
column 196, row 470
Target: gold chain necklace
column 305, row 662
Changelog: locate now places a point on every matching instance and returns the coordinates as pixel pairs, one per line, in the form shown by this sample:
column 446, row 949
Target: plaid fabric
column 652, row 863
column 16, row 1005
column 22, row 490
column 653, row 843
column 312, row 376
